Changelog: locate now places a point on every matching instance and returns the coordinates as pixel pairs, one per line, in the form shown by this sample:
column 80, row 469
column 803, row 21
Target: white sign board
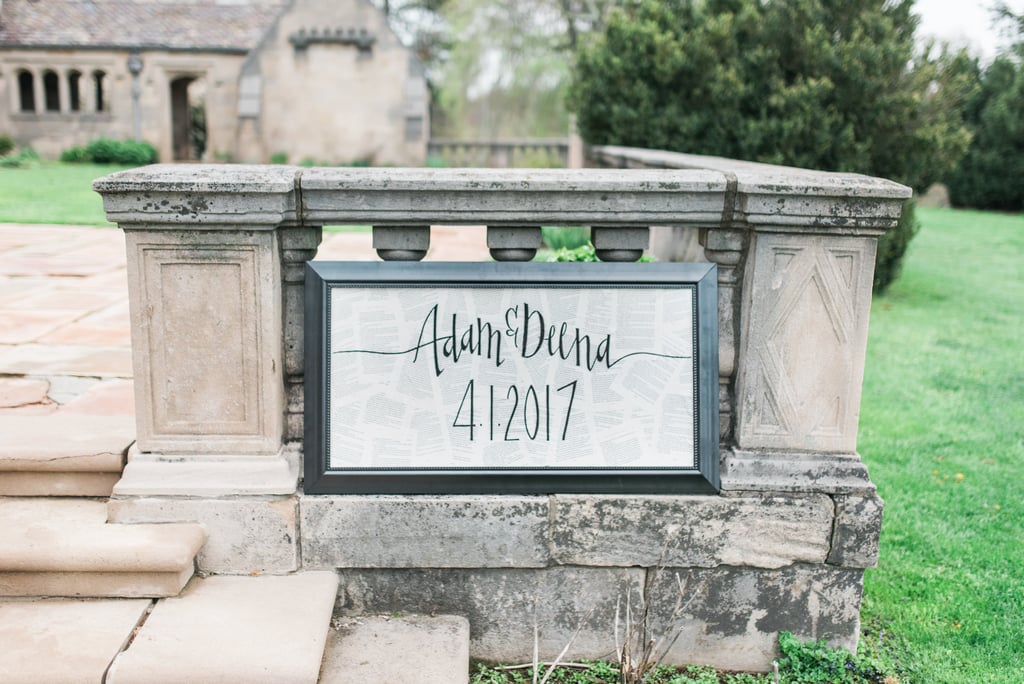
column 508, row 376
column 496, row 378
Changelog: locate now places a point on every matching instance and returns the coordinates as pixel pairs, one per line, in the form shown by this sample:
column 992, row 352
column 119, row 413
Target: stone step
column 244, row 630
column 64, row 641
column 409, row 648
column 63, row 454
column 65, row 547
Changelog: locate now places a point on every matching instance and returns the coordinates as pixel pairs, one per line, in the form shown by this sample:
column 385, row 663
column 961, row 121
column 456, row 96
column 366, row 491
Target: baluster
column 620, row 243
column 401, row 243
column 513, row 243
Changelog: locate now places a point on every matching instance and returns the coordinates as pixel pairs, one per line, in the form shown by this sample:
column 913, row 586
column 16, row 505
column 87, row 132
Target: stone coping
column 709, row 191
column 756, row 176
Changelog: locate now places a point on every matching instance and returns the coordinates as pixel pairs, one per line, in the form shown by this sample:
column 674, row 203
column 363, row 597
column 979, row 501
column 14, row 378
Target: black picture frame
column 321, row 276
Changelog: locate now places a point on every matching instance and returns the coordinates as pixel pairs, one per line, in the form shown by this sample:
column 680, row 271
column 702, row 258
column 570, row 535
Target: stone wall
column 329, row 82
column 49, row 133
column 336, row 69
column 781, row 547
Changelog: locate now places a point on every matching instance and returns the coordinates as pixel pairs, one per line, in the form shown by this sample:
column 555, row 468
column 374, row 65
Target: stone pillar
column 298, row 245
column 87, row 92
column 726, row 248
column 64, row 92
column 211, row 279
column 14, row 88
column 809, row 297
column 802, row 334
column 206, row 310
column 38, row 90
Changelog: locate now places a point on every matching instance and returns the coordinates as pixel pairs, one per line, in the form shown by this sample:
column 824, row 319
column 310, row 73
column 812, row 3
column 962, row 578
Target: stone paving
column 65, row 338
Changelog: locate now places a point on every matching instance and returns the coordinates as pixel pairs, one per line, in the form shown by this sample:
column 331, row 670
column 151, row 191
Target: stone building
column 324, row 80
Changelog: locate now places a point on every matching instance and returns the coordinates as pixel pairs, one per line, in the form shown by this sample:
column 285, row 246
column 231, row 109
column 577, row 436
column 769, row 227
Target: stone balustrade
column 215, row 259
column 500, row 154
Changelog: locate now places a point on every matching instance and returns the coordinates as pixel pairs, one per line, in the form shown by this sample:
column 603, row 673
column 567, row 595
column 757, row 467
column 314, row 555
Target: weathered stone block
column 692, row 531
column 300, row 239
column 152, row 475
column 808, row 299
column 727, row 617
column 64, row 640
column 407, row 648
column 65, row 443
column 200, row 195
column 257, row 630
column 57, row 484
column 792, row 471
column 723, row 240
column 730, row 617
column 424, row 531
column 503, row 605
column 206, row 310
column 857, row 530
column 244, row 535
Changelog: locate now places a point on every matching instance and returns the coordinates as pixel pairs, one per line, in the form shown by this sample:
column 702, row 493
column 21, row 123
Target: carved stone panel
column 808, row 299
column 206, row 320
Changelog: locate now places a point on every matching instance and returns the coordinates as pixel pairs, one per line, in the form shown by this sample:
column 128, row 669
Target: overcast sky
column 963, row 22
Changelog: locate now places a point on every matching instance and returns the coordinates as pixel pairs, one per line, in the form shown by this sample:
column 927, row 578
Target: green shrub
column 6, row 145
column 107, row 151
column 279, row 158
column 585, row 253
column 818, row 84
column 892, row 246
column 582, row 253
column 26, row 156
column 128, row 152
column 989, row 177
column 569, row 237
column 75, row 155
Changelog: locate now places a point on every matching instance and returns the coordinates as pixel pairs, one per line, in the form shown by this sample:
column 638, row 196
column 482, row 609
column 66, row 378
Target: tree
column 506, row 74
column 989, row 177
column 821, row 84
column 507, row 67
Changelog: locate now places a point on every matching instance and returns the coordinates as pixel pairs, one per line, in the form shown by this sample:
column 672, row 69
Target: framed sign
column 510, row 378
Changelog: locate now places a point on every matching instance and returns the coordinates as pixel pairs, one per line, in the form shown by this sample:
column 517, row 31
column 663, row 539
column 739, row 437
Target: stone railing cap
column 219, row 178
column 512, row 196
column 512, row 180
column 758, row 178
column 200, row 195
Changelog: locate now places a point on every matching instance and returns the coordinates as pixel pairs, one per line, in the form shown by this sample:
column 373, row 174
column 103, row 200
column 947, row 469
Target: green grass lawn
column 942, row 431
column 51, row 192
